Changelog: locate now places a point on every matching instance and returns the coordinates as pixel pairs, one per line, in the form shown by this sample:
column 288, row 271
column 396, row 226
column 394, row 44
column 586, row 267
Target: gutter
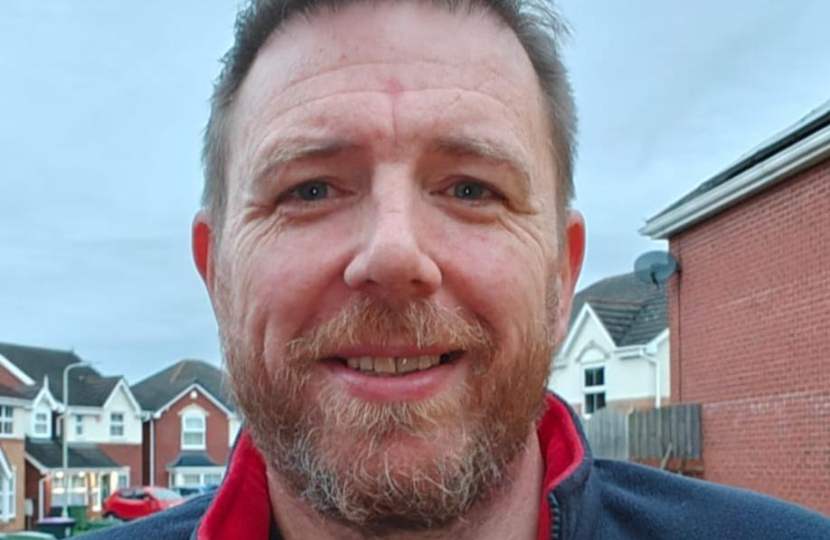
column 803, row 146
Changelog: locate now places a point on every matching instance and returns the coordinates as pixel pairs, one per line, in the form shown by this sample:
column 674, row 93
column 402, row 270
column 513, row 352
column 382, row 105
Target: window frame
column 79, row 425
column 8, row 496
column 6, row 421
column 118, row 424
column 194, row 415
column 46, row 424
column 593, row 390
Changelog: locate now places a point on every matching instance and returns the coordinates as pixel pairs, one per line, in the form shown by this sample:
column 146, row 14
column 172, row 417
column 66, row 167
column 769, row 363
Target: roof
column 156, row 391
column 633, row 312
column 87, row 386
column 193, row 459
column 48, row 452
column 807, row 141
column 9, row 392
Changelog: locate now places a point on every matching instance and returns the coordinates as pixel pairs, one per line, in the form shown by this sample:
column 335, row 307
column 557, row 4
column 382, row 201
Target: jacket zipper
column 555, row 517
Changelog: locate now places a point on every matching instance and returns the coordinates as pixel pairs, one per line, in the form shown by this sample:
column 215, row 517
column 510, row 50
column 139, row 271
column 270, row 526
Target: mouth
column 397, row 366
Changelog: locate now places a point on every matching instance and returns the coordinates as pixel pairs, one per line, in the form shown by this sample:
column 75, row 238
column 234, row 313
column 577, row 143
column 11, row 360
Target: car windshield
column 165, row 494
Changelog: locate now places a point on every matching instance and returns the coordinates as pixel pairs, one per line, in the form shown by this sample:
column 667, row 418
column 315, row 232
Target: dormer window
column 193, row 430
column 116, row 424
column 40, row 427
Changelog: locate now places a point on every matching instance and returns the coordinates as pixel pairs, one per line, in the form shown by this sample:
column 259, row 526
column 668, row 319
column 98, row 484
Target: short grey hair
column 535, row 22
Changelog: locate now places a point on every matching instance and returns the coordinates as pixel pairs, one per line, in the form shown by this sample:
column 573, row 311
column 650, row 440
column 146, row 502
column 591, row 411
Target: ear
column 573, row 253
column 202, row 245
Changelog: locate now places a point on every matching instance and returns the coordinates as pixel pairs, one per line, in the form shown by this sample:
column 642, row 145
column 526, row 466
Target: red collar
column 242, row 508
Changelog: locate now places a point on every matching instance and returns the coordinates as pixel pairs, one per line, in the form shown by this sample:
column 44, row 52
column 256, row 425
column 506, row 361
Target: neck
column 512, row 514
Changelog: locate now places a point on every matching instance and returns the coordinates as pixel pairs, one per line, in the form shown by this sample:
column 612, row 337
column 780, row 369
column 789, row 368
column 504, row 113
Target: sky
column 102, row 106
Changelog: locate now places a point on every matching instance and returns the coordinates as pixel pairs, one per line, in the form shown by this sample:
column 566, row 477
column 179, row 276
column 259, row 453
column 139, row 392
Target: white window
column 117, row 424
column 78, row 493
column 193, row 431
column 79, row 425
column 191, row 480
column 8, row 496
column 6, row 420
column 212, row 479
column 197, row 478
column 123, row 480
column 594, row 389
column 41, row 424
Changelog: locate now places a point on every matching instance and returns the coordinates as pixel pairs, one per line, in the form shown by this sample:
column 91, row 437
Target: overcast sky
column 102, row 106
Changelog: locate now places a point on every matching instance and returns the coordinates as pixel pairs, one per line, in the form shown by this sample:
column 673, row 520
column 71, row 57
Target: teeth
column 405, row 365
column 385, row 366
column 425, row 362
column 393, row 366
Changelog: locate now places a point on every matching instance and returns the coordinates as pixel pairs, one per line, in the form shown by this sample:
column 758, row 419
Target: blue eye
column 469, row 191
column 315, row 190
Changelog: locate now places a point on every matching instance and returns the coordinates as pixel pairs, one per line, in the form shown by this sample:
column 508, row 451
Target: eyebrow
column 288, row 151
column 488, row 150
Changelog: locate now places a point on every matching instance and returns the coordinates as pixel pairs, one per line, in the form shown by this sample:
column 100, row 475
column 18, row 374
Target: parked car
column 193, row 491
column 136, row 502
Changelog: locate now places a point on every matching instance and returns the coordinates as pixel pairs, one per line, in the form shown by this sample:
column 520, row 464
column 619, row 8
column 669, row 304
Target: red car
column 136, row 502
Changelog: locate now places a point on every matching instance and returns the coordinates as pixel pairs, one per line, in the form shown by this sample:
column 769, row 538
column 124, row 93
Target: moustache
column 369, row 321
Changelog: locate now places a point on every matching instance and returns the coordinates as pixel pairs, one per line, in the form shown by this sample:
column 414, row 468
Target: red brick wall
column 7, row 379
column 127, row 455
column 33, row 476
column 13, row 449
column 168, row 435
column 750, row 339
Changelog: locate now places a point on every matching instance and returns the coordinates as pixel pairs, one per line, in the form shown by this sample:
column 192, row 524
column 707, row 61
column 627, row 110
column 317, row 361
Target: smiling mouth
column 391, row 366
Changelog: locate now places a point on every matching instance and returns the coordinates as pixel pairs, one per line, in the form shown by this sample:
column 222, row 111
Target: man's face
column 391, row 208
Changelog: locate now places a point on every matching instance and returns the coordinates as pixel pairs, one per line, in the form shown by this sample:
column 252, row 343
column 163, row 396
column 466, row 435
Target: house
column 616, row 352
column 749, row 313
column 15, row 409
column 103, row 429
column 190, row 425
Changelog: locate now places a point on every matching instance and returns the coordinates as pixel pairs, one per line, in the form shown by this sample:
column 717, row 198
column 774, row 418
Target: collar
column 242, row 507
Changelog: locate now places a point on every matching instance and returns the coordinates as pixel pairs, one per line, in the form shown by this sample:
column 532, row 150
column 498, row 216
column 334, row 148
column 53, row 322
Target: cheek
column 285, row 283
column 498, row 277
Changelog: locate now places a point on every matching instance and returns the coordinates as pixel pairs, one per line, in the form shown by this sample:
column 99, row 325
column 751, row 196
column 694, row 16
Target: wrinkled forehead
column 408, row 48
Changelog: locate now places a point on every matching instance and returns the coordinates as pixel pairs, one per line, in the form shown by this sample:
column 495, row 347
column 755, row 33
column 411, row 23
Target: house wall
column 20, row 424
column 749, row 319
column 96, row 422
column 629, row 382
column 7, row 379
column 31, row 488
column 15, row 454
column 127, row 455
column 168, row 434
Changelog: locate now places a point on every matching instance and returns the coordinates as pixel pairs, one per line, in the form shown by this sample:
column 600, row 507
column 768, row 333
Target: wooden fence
column 669, row 437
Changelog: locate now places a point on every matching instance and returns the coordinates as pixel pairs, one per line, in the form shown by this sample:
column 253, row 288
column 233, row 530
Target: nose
column 392, row 262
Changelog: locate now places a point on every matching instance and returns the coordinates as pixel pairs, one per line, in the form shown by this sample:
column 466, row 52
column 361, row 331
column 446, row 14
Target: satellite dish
column 655, row 267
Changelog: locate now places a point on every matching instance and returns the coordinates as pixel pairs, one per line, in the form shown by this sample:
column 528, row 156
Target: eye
column 472, row 190
column 313, row 190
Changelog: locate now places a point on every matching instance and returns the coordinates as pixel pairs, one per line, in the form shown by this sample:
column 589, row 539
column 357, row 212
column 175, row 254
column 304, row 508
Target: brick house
column 190, row 425
column 15, row 406
column 103, row 429
column 616, row 352
column 749, row 314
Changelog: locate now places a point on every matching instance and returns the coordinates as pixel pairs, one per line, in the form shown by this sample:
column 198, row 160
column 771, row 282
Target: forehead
column 434, row 69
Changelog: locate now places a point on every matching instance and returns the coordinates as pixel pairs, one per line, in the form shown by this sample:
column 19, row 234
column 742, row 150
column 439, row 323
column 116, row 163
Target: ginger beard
column 390, row 466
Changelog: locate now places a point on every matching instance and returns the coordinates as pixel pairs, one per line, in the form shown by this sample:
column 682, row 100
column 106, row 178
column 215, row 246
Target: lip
column 414, row 386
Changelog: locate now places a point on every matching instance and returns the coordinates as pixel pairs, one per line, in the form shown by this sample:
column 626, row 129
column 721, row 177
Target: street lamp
column 66, row 482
